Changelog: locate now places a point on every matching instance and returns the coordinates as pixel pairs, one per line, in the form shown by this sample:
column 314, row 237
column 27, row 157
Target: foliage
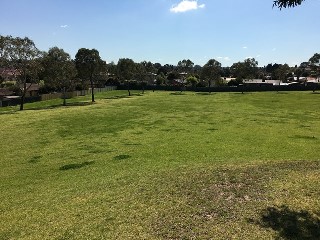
column 315, row 64
column 112, row 69
column 235, row 82
column 192, row 80
column 149, row 67
column 140, row 72
column 173, row 75
column 245, row 70
column 126, row 69
column 298, row 73
column 211, row 71
column 88, row 64
column 161, row 79
column 22, row 56
column 58, row 69
column 185, row 66
column 315, row 59
column 282, row 72
column 287, row 3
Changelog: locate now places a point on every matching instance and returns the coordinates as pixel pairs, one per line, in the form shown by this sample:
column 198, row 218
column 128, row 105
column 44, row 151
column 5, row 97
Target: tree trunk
column 128, row 90
column 22, row 101
column 92, row 90
column 24, row 91
column 64, row 97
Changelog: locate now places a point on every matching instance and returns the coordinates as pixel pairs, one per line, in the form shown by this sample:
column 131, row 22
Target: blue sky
column 167, row 31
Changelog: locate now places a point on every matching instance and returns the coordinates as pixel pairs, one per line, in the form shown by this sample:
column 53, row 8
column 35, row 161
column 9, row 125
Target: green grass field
column 162, row 165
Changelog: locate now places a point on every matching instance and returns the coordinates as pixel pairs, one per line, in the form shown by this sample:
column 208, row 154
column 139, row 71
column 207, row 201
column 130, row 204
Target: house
column 32, row 89
column 313, row 80
column 262, row 82
column 9, row 74
column 178, row 82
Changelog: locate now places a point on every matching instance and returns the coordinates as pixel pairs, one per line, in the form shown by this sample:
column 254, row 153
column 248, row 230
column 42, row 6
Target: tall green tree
column 282, row 72
column 161, row 79
column 151, row 71
column 314, row 61
column 126, row 70
column 247, row 69
column 211, row 72
column 141, row 74
column 298, row 73
column 57, row 67
column 58, row 70
column 21, row 55
column 88, row 64
column 185, row 66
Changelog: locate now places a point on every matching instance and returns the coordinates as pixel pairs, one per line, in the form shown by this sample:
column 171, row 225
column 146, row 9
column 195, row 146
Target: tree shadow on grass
column 304, row 137
column 125, row 96
column 9, row 112
column 74, row 104
column 242, row 93
column 35, row 159
column 117, row 97
column 121, row 157
column 290, row 224
column 213, row 129
column 205, row 93
column 178, row 93
column 75, row 166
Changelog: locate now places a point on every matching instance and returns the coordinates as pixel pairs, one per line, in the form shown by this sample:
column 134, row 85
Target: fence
column 45, row 97
column 17, row 101
column 244, row 88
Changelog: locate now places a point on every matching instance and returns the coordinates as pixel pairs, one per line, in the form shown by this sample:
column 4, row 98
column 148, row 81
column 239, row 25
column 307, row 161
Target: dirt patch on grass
column 217, row 203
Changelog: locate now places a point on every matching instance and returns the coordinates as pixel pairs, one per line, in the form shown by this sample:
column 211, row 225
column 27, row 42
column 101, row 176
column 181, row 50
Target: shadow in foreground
column 291, row 224
column 206, row 93
column 75, row 166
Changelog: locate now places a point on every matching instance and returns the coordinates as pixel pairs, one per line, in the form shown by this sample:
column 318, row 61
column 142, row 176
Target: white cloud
column 258, row 55
column 224, row 58
column 244, row 47
column 186, row 5
column 64, row 26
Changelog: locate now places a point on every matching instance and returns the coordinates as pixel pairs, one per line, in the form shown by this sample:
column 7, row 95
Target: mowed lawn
column 162, row 165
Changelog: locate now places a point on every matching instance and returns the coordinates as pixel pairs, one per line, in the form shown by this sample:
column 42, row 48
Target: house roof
column 9, row 72
column 259, row 81
column 31, row 87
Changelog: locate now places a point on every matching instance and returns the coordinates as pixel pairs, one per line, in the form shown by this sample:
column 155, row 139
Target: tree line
column 56, row 71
